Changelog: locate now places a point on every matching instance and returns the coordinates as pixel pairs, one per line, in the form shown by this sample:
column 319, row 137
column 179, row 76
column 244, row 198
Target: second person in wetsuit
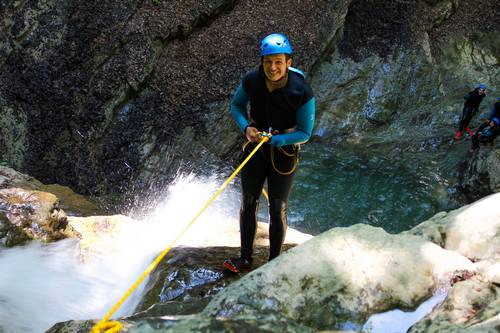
column 471, row 105
column 281, row 102
column 488, row 132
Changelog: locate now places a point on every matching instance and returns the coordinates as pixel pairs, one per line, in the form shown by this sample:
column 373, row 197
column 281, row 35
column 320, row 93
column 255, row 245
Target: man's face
column 275, row 66
column 482, row 91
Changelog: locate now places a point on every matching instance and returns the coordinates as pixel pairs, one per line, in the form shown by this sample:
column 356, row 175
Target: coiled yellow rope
column 115, row 326
column 296, row 158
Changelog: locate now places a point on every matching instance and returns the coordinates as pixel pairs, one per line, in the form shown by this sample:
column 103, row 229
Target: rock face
column 32, row 210
column 31, row 215
column 407, row 94
column 99, row 94
column 480, row 175
column 395, row 82
column 108, row 97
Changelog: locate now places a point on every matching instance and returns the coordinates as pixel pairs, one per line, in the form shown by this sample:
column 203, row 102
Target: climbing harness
column 295, row 155
column 114, row 326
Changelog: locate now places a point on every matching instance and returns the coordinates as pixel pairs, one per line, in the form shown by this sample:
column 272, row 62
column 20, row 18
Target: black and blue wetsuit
column 471, row 105
column 487, row 133
column 495, row 111
column 290, row 112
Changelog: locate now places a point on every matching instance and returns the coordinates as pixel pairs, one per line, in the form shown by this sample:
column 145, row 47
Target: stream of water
column 41, row 284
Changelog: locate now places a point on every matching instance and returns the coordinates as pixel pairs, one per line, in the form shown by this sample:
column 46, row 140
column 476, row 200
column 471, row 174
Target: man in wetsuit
column 282, row 103
column 488, row 131
column 471, row 105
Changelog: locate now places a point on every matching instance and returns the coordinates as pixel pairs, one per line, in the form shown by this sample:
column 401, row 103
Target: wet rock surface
column 333, row 281
column 32, row 215
column 193, row 275
column 470, row 306
column 112, row 97
column 479, row 174
column 69, row 201
column 118, row 92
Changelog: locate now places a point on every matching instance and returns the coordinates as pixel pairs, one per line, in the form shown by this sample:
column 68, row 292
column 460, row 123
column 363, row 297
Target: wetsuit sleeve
column 239, row 107
column 305, row 124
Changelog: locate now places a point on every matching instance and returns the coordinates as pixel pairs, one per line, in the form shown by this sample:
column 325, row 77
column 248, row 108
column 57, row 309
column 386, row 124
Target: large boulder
column 101, row 95
column 473, row 230
column 342, row 275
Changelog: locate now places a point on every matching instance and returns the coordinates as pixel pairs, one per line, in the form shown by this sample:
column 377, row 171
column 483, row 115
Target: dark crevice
column 377, row 27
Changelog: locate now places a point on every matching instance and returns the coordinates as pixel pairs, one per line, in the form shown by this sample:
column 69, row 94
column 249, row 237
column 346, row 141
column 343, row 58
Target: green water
column 337, row 186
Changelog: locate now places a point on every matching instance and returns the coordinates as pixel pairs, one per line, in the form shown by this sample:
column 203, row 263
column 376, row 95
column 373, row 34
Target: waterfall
column 42, row 284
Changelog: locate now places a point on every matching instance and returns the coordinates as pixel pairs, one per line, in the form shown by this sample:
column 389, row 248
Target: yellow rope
column 264, row 192
column 295, row 155
column 114, row 326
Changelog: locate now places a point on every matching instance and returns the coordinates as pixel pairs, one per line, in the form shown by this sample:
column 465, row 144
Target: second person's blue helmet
column 275, row 44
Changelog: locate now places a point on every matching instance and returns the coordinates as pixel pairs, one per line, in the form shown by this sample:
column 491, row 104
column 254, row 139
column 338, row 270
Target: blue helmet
column 496, row 121
column 482, row 86
column 275, row 44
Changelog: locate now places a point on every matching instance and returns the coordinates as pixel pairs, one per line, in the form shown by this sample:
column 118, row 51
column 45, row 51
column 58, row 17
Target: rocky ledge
column 333, row 281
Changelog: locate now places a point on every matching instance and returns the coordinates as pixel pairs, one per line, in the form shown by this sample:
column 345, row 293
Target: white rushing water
column 42, row 284
column 397, row 321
